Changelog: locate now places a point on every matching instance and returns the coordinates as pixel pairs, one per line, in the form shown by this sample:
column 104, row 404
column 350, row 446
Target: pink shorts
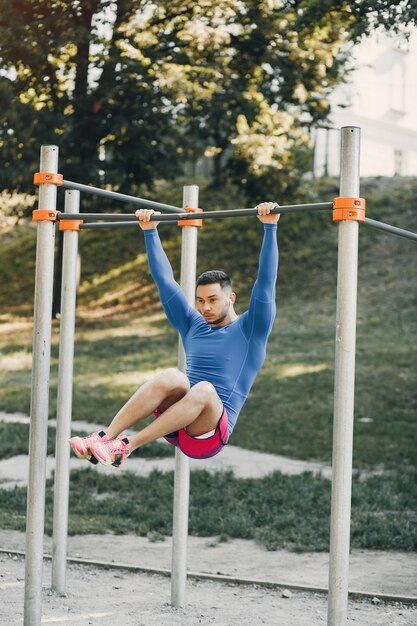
column 200, row 448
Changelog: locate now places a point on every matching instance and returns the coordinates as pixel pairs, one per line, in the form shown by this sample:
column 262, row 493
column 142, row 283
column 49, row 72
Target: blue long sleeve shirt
column 228, row 356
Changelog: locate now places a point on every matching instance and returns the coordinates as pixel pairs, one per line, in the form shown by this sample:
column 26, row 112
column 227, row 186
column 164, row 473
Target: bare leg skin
column 198, row 411
column 160, row 392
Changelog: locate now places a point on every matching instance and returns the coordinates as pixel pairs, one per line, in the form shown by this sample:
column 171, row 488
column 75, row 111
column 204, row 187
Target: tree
column 66, row 78
column 361, row 17
column 132, row 89
column 235, row 58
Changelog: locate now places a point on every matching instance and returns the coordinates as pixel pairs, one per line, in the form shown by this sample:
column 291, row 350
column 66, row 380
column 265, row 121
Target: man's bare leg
column 198, row 411
column 160, row 392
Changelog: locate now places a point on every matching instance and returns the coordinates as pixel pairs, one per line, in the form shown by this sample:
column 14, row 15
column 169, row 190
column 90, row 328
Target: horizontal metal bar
column 98, row 225
column 168, row 219
column 112, row 217
column 289, row 208
column 67, row 184
column 390, row 229
column 103, row 217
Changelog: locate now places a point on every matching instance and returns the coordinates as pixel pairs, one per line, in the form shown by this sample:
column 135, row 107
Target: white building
column 381, row 98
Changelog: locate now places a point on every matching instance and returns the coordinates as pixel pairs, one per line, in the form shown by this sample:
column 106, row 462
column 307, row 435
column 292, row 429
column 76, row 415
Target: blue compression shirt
column 228, row 356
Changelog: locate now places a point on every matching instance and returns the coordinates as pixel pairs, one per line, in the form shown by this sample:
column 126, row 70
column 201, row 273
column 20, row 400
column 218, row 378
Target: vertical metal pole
column 40, row 395
column 64, row 402
column 344, row 384
column 182, row 466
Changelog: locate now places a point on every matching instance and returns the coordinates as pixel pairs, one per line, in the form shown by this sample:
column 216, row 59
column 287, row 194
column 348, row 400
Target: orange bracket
column 352, row 209
column 41, row 214
column 70, row 224
column 191, row 222
column 46, row 178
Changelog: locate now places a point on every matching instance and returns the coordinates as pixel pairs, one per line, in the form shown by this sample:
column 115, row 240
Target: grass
column 292, row 400
column 122, row 339
column 15, row 440
column 278, row 511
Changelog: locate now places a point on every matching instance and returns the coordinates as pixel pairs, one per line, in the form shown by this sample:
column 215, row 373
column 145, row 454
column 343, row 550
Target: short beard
column 221, row 319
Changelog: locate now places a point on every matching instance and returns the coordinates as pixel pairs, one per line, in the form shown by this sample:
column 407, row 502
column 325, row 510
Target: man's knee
column 204, row 392
column 173, row 379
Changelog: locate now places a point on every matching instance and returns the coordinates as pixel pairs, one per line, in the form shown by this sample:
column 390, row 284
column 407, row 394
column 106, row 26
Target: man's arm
column 173, row 300
column 261, row 312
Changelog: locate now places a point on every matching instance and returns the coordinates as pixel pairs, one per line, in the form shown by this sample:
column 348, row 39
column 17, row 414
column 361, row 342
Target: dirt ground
column 101, row 597
column 108, row 597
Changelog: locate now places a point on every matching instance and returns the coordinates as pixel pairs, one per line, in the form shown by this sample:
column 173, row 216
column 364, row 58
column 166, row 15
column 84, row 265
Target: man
column 197, row 411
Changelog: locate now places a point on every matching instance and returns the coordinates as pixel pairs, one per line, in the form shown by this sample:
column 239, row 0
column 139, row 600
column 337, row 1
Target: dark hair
column 214, row 276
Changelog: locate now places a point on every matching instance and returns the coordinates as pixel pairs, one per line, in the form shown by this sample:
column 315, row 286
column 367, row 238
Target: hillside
column 122, row 336
column 114, row 271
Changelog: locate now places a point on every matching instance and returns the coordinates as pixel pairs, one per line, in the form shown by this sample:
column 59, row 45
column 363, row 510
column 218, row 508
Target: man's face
column 214, row 303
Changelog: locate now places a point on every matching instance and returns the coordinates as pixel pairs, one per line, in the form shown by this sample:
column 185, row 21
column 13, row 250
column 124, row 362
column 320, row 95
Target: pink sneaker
column 112, row 452
column 81, row 445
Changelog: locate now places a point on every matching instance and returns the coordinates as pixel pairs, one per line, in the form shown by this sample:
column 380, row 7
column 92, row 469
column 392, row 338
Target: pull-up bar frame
column 121, row 197
column 344, row 368
column 394, row 230
column 344, row 384
column 123, row 220
column 123, row 217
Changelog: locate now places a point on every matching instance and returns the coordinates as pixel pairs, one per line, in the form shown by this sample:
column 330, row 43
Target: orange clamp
column 46, row 178
column 191, row 222
column 352, row 209
column 43, row 215
column 70, row 224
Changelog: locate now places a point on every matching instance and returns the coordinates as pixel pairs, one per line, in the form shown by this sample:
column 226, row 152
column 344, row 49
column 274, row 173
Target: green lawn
column 289, row 410
column 278, row 511
column 122, row 339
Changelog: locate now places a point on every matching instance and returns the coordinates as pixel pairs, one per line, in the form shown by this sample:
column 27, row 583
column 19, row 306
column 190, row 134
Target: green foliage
column 132, row 92
column 68, row 80
column 278, row 511
column 18, row 261
column 15, row 438
column 362, row 17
